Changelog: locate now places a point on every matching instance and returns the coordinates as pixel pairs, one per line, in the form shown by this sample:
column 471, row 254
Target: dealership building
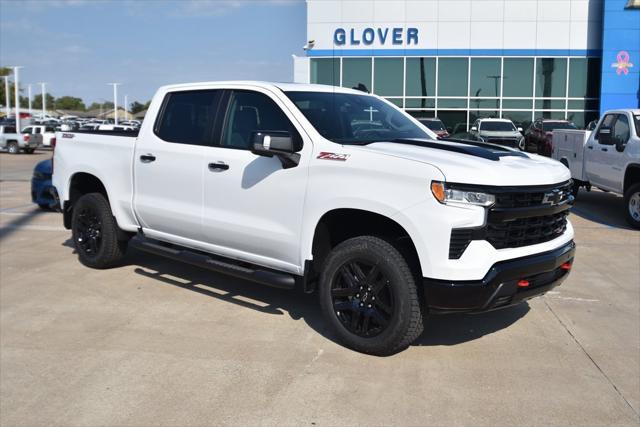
column 461, row 60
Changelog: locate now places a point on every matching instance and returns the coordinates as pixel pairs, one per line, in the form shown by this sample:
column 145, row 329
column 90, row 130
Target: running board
column 264, row 277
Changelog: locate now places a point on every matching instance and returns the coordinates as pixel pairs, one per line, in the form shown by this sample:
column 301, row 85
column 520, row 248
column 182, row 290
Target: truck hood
column 472, row 162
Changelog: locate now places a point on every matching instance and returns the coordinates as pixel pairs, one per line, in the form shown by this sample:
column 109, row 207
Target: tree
column 136, row 107
column 98, row 105
column 37, row 101
column 5, row 71
column 69, row 103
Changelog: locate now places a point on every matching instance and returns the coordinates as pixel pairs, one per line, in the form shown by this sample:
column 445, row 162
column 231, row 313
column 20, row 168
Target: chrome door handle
column 218, row 167
column 147, row 158
column 590, row 147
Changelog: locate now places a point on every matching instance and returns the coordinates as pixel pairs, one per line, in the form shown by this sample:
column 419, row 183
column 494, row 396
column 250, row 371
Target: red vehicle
column 436, row 125
column 538, row 137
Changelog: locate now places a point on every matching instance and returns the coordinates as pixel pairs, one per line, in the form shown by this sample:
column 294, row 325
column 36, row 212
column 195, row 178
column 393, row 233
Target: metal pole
column 44, row 99
column 29, row 94
column 126, row 117
column 16, row 82
column 7, row 96
column 115, row 102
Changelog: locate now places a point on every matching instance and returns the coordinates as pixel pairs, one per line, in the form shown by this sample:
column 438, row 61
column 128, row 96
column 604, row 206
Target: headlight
column 464, row 197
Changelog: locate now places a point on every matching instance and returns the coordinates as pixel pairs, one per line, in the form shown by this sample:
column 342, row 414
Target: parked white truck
column 14, row 142
column 326, row 189
column 607, row 157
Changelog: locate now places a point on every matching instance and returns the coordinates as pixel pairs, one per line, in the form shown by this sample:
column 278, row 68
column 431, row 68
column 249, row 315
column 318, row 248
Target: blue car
column 41, row 185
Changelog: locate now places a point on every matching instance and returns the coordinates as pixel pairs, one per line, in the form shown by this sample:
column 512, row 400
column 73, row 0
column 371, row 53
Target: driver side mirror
column 520, row 130
column 276, row 143
column 474, row 129
column 604, row 136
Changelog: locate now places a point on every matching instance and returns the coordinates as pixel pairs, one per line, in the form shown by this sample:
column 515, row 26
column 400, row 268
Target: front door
column 253, row 208
column 169, row 165
column 602, row 161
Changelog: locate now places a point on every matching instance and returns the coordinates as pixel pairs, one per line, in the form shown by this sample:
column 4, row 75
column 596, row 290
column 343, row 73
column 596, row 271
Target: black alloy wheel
column 89, row 231
column 362, row 298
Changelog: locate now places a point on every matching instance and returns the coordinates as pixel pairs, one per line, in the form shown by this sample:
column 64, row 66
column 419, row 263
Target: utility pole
column 29, row 94
column 16, row 82
column 7, row 96
column 115, row 102
column 126, row 102
column 44, row 98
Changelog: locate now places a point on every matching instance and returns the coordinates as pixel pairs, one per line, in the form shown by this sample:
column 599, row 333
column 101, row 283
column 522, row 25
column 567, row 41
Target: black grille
column 502, row 232
column 526, row 231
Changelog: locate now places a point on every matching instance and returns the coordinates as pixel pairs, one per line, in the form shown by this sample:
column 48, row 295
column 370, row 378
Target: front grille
column 526, row 231
column 504, row 232
column 511, row 142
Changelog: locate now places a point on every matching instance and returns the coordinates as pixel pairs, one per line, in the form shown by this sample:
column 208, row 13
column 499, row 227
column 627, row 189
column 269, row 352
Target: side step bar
column 264, row 277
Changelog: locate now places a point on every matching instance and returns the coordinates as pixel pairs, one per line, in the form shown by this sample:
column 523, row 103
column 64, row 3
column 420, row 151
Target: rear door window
column 187, row 117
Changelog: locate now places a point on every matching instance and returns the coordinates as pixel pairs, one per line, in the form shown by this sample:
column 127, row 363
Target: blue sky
column 78, row 46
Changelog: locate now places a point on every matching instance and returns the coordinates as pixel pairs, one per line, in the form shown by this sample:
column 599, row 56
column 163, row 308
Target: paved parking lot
column 158, row 342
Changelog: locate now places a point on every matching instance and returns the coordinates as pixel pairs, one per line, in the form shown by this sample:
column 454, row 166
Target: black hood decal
column 471, row 148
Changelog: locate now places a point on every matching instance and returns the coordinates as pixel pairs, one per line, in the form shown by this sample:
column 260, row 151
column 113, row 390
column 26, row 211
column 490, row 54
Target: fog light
column 523, row 283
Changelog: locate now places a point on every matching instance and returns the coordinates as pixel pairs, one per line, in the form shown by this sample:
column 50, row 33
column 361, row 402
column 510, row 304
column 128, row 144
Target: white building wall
column 445, row 25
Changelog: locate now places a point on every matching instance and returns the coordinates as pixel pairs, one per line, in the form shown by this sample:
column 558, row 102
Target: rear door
column 253, row 208
column 169, row 164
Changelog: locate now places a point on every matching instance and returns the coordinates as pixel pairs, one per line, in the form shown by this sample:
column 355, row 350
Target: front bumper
column 500, row 287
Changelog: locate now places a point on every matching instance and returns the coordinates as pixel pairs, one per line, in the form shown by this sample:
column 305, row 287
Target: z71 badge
column 333, row 156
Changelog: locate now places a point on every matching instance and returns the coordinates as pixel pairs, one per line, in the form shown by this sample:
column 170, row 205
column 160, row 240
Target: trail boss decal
column 333, row 156
column 68, row 135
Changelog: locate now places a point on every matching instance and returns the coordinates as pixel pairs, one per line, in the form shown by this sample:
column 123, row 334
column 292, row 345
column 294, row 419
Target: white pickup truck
column 14, row 142
column 324, row 189
column 607, row 157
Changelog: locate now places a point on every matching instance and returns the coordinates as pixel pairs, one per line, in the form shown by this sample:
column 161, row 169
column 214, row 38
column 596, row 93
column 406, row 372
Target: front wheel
column 95, row 232
column 632, row 202
column 369, row 298
column 13, row 148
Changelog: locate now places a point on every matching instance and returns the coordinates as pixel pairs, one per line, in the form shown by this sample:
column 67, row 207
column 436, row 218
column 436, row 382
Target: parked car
column 41, row 185
column 385, row 223
column 538, row 137
column 436, row 125
column 498, row 131
column 607, row 158
column 14, row 142
column 118, row 127
column 48, row 133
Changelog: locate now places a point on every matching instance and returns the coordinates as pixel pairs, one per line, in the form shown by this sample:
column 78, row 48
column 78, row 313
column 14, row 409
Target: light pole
column 7, row 96
column 16, row 82
column 29, row 94
column 115, row 102
column 44, row 98
column 126, row 102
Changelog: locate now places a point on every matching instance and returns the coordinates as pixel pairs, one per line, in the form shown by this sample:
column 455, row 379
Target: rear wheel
column 369, row 298
column 632, row 202
column 13, row 148
column 95, row 232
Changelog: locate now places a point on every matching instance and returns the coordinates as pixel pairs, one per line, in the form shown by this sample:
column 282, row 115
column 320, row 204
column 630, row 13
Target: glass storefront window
column 356, row 73
column 521, row 119
column 420, row 103
column 558, row 115
column 388, row 76
column 517, row 104
column 421, row 114
column 551, row 77
column 421, row 77
column 454, row 121
column 592, row 104
column 397, row 101
column 582, row 118
column 485, row 77
column 452, row 76
column 518, row 77
column 584, row 77
column 452, row 103
column 484, row 103
column 550, row 104
column 325, row 71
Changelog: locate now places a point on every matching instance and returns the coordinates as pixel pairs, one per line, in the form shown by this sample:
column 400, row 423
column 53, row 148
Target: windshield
column 557, row 125
column 355, row 119
column 434, row 125
column 497, row 126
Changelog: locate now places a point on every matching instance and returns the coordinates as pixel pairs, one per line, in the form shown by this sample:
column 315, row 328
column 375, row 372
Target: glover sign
column 380, row 36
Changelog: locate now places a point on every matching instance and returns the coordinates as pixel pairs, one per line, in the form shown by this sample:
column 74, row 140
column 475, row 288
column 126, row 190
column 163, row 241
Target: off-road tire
column 406, row 322
column 633, row 190
column 110, row 249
